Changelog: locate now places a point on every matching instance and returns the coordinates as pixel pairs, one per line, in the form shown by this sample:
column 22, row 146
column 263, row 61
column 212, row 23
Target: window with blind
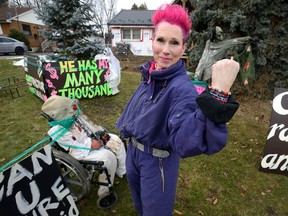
column 131, row 34
column 26, row 30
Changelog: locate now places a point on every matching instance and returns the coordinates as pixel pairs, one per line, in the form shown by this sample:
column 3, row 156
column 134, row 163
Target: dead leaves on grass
column 213, row 200
column 82, row 202
column 185, row 182
column 213, row 196
column 177, row 212
column 259, row 118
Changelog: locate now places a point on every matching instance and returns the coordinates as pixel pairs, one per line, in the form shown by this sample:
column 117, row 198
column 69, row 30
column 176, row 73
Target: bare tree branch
column 104, row 11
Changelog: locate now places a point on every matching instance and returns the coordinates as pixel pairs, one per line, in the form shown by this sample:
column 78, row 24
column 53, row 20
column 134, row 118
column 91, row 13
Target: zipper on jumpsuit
column 161, row 159
column 162, row 90
column 154, row 101
column 162, row 173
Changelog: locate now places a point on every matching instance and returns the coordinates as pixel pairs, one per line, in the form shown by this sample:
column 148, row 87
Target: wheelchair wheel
column 74, row 175
column 107, row 200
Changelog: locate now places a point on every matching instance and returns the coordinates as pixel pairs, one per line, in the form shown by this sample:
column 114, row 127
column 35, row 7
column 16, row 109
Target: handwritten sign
column 34, row 79
column 275, row 159
column 77, row 79
column 34, row 186
column 73, row 79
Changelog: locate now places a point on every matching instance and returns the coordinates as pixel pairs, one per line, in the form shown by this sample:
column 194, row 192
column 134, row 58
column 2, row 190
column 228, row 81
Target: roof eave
column 16, row 17
column 5, row 21
column 129, row 24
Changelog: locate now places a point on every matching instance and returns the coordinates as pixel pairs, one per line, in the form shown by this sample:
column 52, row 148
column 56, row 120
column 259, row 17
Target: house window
column 126, row 33
column 152, row 32
column 131, row 34
column 26, row 30
column 136, row 34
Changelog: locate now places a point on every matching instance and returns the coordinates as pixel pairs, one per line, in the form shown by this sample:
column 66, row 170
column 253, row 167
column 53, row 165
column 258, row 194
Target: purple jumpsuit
column 163, row 114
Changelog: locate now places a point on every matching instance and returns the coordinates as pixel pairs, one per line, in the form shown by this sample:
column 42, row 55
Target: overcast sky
column 151, row 4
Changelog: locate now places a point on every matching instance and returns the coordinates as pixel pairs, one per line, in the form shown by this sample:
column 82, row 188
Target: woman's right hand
column 224, row 73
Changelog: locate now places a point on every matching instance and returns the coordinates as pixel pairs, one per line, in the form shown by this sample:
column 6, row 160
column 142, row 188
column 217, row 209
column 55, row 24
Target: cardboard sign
column 34, row 79
column 73, row 79
column 34, row 186
column 275, row 159
column 77, row 79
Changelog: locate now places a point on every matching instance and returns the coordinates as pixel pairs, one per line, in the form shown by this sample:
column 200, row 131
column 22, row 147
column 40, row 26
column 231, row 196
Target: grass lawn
column 228, row 183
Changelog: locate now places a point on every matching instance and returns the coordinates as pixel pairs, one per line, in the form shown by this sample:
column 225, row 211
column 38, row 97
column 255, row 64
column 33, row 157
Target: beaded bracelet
column 219, row 91
column 223, row 98
column 219, row 94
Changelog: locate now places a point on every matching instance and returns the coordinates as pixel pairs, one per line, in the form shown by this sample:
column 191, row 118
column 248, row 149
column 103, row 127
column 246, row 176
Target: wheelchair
column 79, row 175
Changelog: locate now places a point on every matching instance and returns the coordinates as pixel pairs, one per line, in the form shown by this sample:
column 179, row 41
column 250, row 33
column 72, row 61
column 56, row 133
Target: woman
column 166, row 119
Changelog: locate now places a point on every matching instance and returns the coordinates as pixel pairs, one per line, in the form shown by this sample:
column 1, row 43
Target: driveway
column 11, row 56
column 14, row 56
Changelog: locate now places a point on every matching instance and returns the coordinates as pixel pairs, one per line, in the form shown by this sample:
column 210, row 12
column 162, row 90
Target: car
column 11, row 45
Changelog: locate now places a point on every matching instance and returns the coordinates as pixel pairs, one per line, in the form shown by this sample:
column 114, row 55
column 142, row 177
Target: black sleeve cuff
column 216, row 110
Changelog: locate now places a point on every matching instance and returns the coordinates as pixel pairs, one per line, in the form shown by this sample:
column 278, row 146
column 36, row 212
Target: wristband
column 219, row 94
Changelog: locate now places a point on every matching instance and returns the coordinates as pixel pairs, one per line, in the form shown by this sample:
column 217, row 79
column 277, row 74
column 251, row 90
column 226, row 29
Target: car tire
column 19, row 51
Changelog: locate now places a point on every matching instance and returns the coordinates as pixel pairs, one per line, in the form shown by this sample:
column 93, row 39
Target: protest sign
column 77, row 79
column 34, row 186
column 33, row 71
column 74, row 79
column 275, row 159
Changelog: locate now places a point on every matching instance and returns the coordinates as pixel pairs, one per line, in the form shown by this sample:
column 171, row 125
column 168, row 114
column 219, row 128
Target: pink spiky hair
column 175, row 15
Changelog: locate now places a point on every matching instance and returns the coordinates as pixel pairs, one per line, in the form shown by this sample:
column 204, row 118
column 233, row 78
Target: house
column 24, row 20
column 135, row 28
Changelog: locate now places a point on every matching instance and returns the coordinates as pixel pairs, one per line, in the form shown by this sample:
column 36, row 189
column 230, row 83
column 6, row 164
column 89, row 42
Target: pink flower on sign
column 106, row 75
column 54, row 92
column 44, row 97
column 52, row 71
column 199, row 89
